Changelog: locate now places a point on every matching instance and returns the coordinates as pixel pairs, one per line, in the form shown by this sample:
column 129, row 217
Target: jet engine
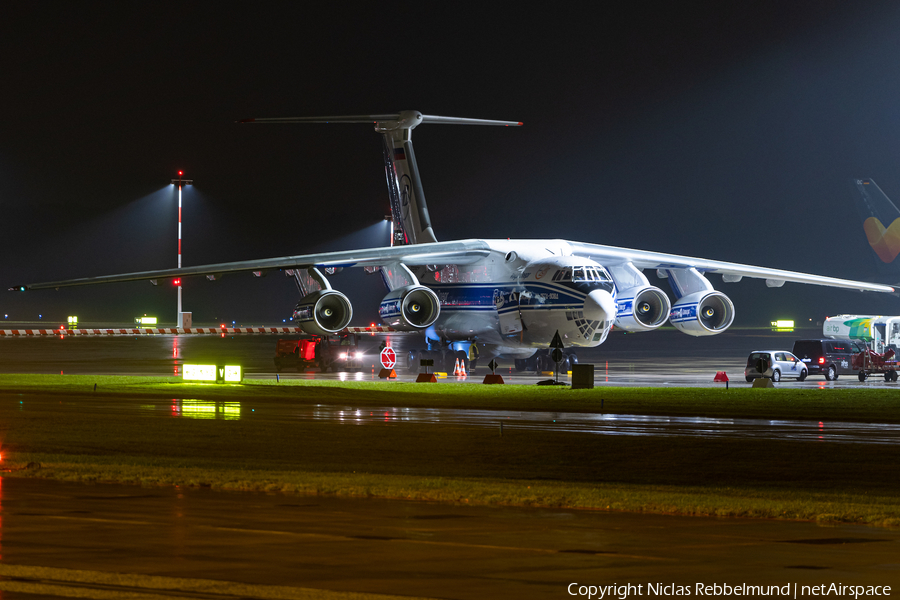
column 410, row 308
column 642, row 308
column 323, row 312
column 702, row 313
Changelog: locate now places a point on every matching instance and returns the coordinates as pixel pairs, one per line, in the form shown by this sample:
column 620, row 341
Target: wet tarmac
column 617, row 424
column 200, row 543
column 598, row 423
column 591, row 423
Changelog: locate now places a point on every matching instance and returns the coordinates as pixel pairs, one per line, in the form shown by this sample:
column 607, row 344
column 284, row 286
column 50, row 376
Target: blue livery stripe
column 682, row 313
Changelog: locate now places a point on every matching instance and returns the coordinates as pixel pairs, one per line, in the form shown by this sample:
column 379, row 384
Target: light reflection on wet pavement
column 593, row 423
column 615, row 424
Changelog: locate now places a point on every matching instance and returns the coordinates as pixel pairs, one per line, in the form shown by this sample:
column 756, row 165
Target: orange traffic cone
column 462, row 368
column 456, row 368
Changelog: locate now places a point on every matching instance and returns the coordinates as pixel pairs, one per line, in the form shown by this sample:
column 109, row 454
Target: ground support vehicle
column 879, row 332
column 774, row 364
column 828, row 357
column 335, row 353
column 295, row 354
column 870, row 362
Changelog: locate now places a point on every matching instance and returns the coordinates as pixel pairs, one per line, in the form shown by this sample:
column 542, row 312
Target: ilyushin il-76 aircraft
column 509, row 296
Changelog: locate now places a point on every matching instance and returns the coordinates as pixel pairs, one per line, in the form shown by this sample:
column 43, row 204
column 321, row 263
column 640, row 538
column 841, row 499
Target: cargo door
column 507, row 304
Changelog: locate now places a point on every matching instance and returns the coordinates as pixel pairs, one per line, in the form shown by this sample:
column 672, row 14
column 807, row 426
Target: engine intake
column 642, row 308
column 702, row 313
column 410, row 308
column 323, row 312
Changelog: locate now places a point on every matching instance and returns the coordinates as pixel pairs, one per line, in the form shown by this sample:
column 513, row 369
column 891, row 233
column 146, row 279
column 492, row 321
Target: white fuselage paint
column 522, row 294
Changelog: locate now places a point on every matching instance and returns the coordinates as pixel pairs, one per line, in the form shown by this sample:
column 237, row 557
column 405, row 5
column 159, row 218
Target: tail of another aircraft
column 412, row 224
column 881, row 223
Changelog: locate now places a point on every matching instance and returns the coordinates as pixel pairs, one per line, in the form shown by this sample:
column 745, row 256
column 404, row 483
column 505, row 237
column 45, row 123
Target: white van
column 775, row 364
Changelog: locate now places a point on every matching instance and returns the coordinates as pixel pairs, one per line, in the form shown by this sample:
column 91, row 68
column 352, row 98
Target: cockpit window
column 590, row 274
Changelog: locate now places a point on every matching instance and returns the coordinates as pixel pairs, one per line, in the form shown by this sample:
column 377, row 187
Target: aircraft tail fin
column 881, row 224
column 412, row 223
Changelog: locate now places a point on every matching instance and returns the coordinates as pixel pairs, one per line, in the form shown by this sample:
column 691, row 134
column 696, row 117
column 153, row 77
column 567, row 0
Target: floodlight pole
column 390, row 218
column 180, row 182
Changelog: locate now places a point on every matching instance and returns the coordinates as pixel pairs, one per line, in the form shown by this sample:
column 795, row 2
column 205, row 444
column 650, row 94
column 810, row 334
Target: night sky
column 720, row 130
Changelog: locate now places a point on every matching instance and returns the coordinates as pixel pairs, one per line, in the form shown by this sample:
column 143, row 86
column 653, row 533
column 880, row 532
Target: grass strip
column 696, row 501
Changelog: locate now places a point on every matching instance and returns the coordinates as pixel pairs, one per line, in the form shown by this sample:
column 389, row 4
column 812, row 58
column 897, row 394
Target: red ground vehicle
column 335, row 353
column 870, row 362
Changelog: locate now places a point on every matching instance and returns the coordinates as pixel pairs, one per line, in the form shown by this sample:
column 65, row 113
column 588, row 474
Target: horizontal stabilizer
column 373, row 119
column 412, row 222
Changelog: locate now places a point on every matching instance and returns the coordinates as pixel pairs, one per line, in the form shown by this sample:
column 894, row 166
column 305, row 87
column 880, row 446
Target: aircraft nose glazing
column 599, row 306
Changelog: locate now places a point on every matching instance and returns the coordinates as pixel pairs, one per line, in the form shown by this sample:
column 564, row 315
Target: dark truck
column 828, row 357
column 335, row 353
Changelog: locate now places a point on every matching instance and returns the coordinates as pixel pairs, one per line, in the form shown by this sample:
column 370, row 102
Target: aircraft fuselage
column 519, row 296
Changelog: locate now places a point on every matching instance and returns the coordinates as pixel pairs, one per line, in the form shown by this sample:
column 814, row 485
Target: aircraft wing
column 440, row 253
column 643, row 259
column 467, row 252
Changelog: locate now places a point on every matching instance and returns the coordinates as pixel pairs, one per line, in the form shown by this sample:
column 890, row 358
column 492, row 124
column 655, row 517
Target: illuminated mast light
column 180, row 317
column 390, row 219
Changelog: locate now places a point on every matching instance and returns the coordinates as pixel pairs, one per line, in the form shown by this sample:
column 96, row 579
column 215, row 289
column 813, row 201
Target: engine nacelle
column 410, row 308
column 323, row 312
column 642, row 308
column 702, row 313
